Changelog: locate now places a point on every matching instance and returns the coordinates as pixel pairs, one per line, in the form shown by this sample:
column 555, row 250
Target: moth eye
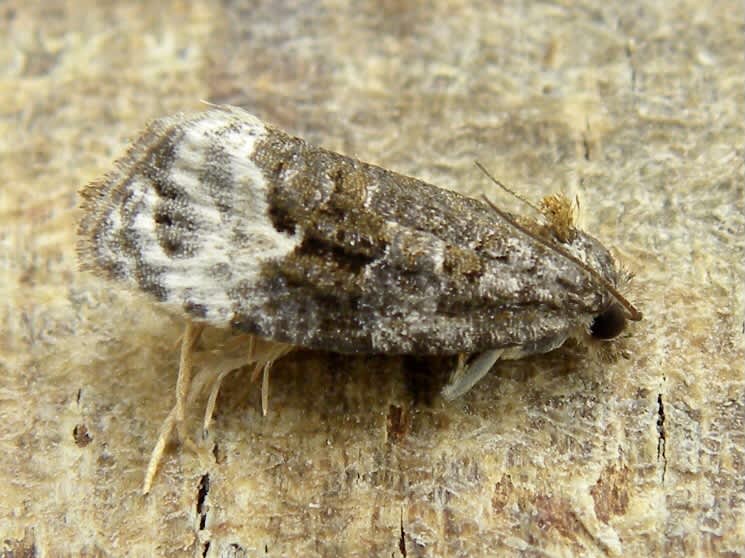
column 608, row 324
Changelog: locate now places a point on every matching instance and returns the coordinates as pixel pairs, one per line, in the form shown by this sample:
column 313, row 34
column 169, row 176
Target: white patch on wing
column 192, row 278
column 107, row 240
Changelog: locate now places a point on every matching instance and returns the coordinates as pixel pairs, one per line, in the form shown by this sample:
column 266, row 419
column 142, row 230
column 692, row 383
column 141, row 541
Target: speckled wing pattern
column 234, row 223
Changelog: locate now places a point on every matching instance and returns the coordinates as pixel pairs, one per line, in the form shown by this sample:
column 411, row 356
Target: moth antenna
column 510, row 191
column 634, row 314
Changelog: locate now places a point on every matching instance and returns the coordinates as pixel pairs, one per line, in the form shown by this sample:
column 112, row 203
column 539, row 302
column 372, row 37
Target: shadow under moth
column 232, row 223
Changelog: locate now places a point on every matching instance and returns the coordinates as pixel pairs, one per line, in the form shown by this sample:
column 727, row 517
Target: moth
column 229, row 222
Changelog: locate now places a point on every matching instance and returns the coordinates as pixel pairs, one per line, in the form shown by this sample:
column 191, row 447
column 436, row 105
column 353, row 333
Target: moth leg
column 214, row 366
column 273, row 354
column 176, row 416
column 209, row 410
column 232, row 366
column 167, row 427
column 265, row 388
column 263, row 359
column 199, row 383
column 263, row 369
column 189, row 340
column 465, row 377
column 155, row 456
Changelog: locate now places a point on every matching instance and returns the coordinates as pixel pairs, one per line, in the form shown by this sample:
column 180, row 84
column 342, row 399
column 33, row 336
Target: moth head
column 613, row 310
column 559, row 233
column 609, row 323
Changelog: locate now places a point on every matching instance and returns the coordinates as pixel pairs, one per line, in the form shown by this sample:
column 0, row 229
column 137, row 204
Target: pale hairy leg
column 176, row 417
column 214, row 366
column 465, row 377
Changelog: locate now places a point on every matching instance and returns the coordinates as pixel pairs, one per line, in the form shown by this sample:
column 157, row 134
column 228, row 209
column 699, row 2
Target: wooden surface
column 636, row 107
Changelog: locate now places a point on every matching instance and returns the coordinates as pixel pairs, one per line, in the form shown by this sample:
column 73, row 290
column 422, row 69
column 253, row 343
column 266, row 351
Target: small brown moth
column 232, row 223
